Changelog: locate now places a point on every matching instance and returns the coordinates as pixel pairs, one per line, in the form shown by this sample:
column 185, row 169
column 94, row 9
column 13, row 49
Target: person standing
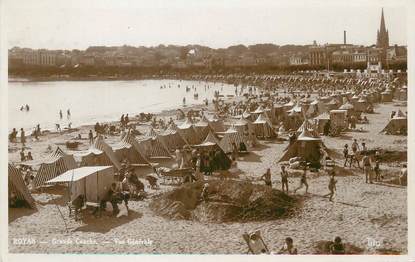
column 68, row 114
column 284, row 178
column 91, row 137
column 60, row 114
column 22, row 137
column 367, row 167
column 345, row 154
column 332, row 187
column 267, row 178
column 303, row 181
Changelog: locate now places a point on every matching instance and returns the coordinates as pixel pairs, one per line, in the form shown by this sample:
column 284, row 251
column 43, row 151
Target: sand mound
column 228, row 201
column 323, row 248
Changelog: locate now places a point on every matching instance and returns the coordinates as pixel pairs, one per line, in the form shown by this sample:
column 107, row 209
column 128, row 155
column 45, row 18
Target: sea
column 101, row 101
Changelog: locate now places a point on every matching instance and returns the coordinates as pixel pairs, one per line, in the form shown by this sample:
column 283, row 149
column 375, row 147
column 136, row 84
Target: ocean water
column 98, row 101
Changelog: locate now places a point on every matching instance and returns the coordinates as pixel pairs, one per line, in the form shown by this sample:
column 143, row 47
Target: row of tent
column 140, row 150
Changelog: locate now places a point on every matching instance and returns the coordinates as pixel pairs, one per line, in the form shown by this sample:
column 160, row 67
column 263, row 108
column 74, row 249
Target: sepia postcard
column 238, row 128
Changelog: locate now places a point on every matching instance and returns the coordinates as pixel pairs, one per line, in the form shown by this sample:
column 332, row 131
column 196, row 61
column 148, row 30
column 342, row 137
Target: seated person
column 337, row 248
column 288, row 247
column 242, row 147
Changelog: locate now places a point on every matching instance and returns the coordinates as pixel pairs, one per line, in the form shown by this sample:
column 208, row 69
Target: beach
column 372, row 217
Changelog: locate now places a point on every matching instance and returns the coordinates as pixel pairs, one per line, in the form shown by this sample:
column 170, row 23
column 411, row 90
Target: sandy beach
column 360, row 213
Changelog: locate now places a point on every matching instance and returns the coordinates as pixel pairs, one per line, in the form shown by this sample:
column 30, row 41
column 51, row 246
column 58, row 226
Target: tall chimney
column 344, row 37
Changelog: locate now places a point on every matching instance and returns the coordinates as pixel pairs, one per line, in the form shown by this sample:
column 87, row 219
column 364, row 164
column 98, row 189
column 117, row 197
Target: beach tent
column 398, row 125
column 263, row 127
column 361, row 104
column 171, row 138
column 230, row 136
column 216, row 124
column 187, row 131
column 338, row 119
column 307, row 147
column 93, row 182
column 100, row 154
column 322, row 119
column 125, row 150
column 153, row 147
column 52, row 166
column 18, row 186
column 202, row 128
column 307, row 124
column 212, row 143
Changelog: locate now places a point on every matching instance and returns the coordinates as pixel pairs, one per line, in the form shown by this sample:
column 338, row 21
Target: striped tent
column 52, row 166
column 130, row 139
column 94, row 157
column 154, row 148
column 202, row 128
column 171, row 138
column 230, row 136
column 124, row 150
column 100, row 144
column 18, row 186
column 187, row 131
column 309, row 126
column 216, row 124
column 263, row 127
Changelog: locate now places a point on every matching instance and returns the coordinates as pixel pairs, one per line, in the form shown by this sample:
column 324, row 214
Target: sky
column 77, row 24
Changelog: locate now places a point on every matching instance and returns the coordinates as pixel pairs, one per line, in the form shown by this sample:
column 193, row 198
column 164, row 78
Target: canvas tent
column 398, row 125
column 93, row 182
column 306, row 147
column 230, row 136
column 125, row 150
column 52, row 166
column 202, row 128
column 154, row 148
column 18, row 186
column 171, row 138
column 100, row 154
column 187, row 131
column 263, row 127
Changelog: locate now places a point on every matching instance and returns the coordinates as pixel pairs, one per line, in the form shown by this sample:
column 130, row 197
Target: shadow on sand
column 251, row 157
column 106, row 223
column 15, row 213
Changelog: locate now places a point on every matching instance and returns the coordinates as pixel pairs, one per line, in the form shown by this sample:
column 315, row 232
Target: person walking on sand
column 345, row 154
column 284, row 178
column 22, row 137
column 303, row 181
column 267, row 178
column 91, row 137
column 367, row 168
column 332, row 187
column 60, row 114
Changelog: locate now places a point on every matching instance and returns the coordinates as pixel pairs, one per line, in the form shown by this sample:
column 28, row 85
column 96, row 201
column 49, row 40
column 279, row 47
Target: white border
column 411, row 139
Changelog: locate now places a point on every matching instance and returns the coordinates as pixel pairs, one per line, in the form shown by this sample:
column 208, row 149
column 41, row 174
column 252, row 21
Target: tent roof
column 58, row 153
column 185, row 125
column 307, row 136
column 346, row 106
column 399, row 115
column 78, row 173
column 324, row 115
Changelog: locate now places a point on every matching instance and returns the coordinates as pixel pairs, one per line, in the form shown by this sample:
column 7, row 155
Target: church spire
column 382, row 23
column 382, row 34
